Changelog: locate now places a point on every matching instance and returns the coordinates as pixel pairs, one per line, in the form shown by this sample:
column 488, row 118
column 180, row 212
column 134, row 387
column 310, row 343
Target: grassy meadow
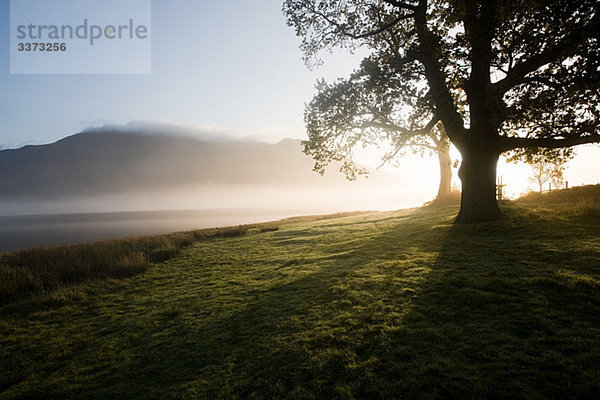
column 388, row 305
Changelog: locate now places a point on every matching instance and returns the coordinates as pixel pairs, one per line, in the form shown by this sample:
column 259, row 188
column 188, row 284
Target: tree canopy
column 498, row 74
column 366, row 110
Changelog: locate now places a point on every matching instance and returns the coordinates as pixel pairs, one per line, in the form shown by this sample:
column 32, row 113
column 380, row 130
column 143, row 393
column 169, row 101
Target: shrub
column 163, row 254
column 269, row 228
column 42, row 271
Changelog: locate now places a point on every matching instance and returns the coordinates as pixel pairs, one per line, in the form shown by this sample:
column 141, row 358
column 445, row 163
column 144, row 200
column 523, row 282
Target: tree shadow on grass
column 435, row 311
column 493, row 310
column 496, row 317
column 497, row 313
column 311, row 337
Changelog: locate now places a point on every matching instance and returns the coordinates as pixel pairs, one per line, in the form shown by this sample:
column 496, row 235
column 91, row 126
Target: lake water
column 20, row 232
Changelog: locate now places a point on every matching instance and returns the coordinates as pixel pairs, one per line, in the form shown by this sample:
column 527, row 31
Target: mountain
column 97, row 162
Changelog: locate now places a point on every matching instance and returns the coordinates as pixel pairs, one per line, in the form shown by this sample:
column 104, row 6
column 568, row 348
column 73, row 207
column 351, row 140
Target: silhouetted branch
column 566, row 47
column 510, row 143
column 342, row 28
column 381, row 29
column 409, row 133
column 401, row 4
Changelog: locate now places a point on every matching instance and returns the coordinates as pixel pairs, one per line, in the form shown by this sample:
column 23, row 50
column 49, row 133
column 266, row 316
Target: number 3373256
column 41, row 46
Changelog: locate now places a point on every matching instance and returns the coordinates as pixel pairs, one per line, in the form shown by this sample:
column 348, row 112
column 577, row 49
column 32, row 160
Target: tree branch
column 401, row 4
column 377, row 31
column 410, row 133
column 544, row 81
column 564, row 48
column 389, row 157
column 342, row 28
column 425, row 146
column 427, row 55
column 434, row 138
column 510, row 143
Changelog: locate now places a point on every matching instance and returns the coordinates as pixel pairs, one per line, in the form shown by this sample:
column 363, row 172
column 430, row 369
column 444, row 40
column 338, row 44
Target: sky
column 224, row 66
column 229, row 65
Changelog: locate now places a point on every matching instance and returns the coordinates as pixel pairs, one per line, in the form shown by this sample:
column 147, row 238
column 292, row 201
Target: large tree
column 500, row 74
column 366, row 110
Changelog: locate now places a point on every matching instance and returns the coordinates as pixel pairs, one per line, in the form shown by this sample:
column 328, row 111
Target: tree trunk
column 478, row 177
column 445, row 188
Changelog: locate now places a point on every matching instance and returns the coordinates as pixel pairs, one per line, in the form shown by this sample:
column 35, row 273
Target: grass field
column 379, row 306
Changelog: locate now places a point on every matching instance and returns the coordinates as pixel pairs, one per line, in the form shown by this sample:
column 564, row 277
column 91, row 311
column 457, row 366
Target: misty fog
column 62, row 221
column 113, row 182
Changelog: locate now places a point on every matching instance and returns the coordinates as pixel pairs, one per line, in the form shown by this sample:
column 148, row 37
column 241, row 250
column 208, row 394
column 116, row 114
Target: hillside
column 105, row 161
column 578, row 195
column 127, row 169
column 385, row 305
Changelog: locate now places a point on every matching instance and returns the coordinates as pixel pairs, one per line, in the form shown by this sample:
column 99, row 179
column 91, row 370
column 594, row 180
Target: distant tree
column 366, row 110
column 547, row 165
column 557, row 178
column 499, row 74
